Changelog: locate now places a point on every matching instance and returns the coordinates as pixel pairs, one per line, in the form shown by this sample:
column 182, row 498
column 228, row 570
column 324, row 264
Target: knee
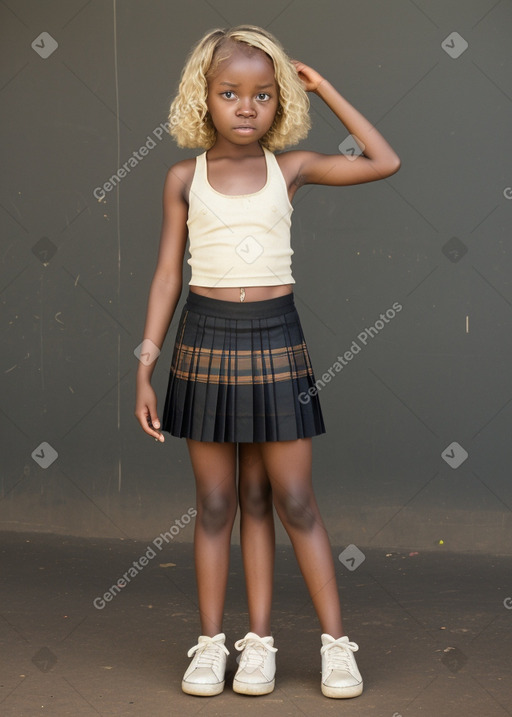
column 256, row 501
column 216, row 512
column 297, row 510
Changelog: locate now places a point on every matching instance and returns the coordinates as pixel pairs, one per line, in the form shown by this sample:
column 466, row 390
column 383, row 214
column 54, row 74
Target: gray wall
column 435, row 238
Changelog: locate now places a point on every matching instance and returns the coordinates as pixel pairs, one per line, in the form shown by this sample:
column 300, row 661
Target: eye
column 262, row 95
column 228, row 92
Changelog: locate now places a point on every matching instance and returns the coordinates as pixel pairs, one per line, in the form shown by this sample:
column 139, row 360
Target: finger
column 157, row 435
column 153, row 420
column 155, row 424
column 148, row 427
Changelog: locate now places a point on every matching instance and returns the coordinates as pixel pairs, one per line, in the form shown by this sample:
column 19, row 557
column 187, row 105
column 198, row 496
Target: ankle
column 211, row 633
column 261, row 633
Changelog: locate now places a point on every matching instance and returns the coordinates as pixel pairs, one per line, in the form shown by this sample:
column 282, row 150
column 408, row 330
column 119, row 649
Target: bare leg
column 288, row 465
column 214, row 466
column 257, row 536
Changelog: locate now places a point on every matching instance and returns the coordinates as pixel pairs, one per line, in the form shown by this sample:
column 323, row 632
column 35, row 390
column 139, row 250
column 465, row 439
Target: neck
column 224, row 148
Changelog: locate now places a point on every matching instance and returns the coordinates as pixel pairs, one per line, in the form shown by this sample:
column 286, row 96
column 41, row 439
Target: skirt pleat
column 240, row 372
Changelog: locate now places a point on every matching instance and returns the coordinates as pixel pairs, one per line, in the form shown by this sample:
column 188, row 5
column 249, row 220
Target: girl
column 240, row 367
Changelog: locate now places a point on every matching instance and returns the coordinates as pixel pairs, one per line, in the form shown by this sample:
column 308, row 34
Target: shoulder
column 179, row 178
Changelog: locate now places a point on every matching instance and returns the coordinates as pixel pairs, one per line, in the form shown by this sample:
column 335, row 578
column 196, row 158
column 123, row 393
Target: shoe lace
column 208, row 651
column 338, row 654
column 254, row 650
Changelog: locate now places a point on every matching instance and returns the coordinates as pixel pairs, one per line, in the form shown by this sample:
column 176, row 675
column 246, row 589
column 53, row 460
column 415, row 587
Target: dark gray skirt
column 240, row 372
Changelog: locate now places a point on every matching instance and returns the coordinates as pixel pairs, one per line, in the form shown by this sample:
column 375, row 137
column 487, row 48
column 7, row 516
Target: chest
column 237, row 177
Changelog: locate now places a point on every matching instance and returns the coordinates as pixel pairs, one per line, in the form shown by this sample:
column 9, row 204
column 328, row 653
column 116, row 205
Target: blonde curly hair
column 189, row 120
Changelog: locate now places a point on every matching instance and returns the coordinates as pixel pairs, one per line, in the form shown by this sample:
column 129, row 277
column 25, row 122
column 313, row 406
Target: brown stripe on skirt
column 244, row 367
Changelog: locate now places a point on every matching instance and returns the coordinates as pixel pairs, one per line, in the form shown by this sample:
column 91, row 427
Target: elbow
column 387, row 166
column 393, row 166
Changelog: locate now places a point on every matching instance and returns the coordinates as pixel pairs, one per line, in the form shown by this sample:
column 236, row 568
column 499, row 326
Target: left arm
column 379, row 159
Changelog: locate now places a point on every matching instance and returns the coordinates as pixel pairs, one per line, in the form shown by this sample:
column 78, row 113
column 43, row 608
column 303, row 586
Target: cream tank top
column 240, row 240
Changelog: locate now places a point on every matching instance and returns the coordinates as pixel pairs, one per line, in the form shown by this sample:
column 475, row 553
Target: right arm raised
column 165, row 290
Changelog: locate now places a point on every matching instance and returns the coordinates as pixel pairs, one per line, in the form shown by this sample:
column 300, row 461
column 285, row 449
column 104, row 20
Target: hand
column 145, row 411
column 311, row 78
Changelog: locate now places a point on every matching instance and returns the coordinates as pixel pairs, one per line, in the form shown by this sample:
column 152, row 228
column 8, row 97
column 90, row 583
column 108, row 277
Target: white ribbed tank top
column 240, row 240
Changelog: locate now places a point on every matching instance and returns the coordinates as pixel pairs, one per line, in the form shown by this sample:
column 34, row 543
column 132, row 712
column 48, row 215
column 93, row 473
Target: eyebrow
column 259, row 87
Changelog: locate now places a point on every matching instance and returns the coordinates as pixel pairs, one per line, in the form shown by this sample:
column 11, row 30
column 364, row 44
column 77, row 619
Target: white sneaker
column 257, row 668
column 340, row 676
column 205, row 674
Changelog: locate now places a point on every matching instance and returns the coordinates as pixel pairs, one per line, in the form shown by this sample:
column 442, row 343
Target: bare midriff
column 245, row 294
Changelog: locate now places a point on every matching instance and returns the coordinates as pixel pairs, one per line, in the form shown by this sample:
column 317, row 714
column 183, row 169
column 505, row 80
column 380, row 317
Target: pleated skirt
column 240, row 372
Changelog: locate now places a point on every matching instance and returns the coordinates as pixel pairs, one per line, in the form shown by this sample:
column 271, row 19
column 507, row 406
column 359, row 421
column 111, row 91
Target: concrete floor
column 434, row 631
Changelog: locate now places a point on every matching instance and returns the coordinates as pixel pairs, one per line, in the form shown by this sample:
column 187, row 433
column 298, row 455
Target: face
column 243, row 96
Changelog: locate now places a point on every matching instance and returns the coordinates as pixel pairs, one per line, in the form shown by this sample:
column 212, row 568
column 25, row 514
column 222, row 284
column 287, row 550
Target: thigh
column 214, row 467
column 254, row 485
column 288, row 466
column 250, row 462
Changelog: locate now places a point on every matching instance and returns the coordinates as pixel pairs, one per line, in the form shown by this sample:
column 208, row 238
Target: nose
column 246, row 108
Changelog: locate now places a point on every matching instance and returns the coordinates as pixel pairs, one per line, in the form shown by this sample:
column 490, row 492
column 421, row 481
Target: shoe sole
column 246, row 688
column 202, row 690
column 342, row 692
